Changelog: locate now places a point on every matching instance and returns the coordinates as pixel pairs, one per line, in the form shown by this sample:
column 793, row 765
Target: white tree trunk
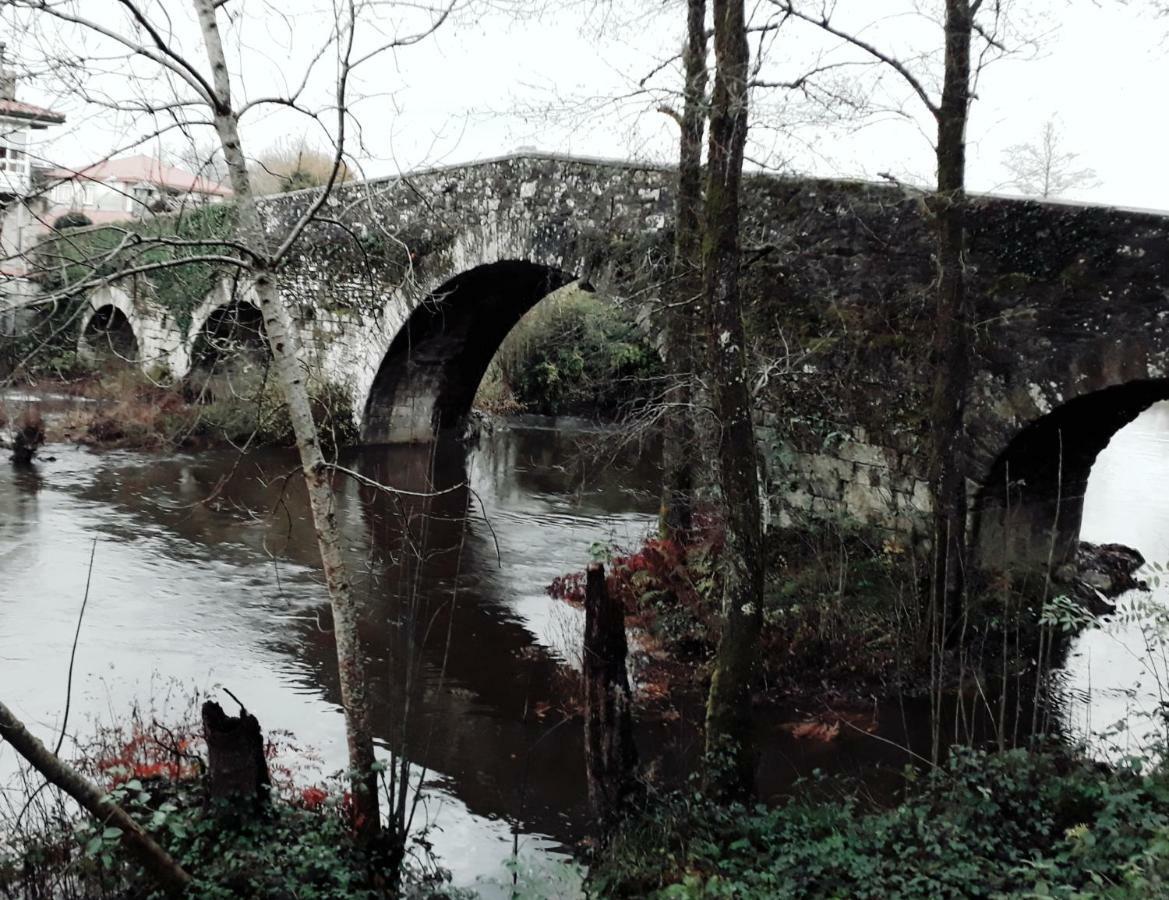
column 287, row 356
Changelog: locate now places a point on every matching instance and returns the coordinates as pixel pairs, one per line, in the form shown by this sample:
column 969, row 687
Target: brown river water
column 188, row 595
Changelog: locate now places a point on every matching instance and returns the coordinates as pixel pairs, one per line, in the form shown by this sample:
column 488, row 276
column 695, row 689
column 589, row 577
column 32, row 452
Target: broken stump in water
column 610, row 754
column 28, row 437
column 237, row 770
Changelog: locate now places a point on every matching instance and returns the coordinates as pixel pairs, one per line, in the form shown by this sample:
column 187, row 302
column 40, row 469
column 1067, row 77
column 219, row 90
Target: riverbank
column 847, row 649
column 120, row 407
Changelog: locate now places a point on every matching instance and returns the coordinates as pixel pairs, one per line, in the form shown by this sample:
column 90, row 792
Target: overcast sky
column 490, row 82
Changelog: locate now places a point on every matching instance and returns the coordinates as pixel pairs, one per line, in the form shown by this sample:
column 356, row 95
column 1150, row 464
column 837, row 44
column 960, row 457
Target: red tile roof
column 17, row 110
column 139, row 169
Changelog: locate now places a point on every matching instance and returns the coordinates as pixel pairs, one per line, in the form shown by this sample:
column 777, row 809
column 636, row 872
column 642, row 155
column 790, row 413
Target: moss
column 103, row 251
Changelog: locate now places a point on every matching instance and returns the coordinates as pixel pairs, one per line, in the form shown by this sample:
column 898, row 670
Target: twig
column 73, row 651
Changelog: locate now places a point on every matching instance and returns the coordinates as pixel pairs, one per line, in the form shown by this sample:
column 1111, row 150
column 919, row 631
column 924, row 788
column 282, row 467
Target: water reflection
column 227, row 592
column 450, row 579
column 1117, row 673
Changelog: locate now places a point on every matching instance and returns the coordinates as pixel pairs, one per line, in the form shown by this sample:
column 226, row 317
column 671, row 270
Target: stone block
column 861, row 498
column 799, row 499
column 864, row 454
column 832, row 488
column 921, row 500
column 824, row 467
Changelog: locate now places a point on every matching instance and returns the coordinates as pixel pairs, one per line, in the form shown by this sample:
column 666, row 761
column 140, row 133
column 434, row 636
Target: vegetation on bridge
column 82, row 256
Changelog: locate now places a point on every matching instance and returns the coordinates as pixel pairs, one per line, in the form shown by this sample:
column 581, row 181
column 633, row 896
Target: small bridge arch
column 227, row 321
column 111, row 326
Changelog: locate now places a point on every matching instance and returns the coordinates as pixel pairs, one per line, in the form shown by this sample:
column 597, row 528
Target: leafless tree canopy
column 294, row 164
column 1043, row 168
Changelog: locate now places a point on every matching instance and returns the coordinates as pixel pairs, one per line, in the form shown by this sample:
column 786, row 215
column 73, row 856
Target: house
column 19, row 204
column 130, row 187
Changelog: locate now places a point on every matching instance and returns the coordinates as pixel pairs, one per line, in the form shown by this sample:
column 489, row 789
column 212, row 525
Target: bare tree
column 729, row 747
column 203, row 159
column 964, row 22
column 1042, row 168
column 686, row 285
column 201, row 95
column 292, row 165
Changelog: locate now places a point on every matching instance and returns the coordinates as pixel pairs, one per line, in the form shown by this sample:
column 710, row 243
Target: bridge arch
column 1030, row 500
column 225, row 349
column 110, row 326
column 235, row 325
column 428, row 376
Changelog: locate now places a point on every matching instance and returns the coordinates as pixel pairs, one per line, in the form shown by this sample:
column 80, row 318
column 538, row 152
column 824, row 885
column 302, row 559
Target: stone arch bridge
column 403, row 296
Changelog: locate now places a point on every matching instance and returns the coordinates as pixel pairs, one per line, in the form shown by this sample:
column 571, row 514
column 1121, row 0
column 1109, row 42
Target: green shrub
column 75, row 256
column 1016, row 824
column 72, row 219
column 300, row 844
column 574, row 354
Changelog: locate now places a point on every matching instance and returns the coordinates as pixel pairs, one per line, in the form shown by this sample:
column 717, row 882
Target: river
column 1117, row 675
column 189, row 594
column 204, row 576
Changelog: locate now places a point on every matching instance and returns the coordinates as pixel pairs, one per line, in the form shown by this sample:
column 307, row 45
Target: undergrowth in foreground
column 1014, row 824
column 301, row 845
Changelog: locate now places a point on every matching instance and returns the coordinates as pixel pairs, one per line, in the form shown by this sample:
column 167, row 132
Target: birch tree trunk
column 140, row 845
column 686, row 288
column 952, row 345
column 729, row 746
column 287, row 356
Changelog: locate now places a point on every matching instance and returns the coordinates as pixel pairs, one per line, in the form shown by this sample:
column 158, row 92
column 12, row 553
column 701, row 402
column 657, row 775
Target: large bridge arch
column 1036, row 437
column 428, row 376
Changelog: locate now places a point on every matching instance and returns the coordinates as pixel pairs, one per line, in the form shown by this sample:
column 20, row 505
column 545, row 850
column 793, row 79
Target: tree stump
column 237, row 771
column 610, row 754
column 27, row 437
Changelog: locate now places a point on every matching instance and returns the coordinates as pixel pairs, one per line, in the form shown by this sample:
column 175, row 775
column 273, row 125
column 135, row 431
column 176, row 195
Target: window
column 13, row 160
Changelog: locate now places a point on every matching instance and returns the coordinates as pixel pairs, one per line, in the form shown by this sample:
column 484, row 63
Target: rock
column 28, row 437
column 1109, row 567
column 1098, row 573
column 1099, row 581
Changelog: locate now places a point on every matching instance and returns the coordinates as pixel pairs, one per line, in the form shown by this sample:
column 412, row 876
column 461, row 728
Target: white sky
column 490, row 82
